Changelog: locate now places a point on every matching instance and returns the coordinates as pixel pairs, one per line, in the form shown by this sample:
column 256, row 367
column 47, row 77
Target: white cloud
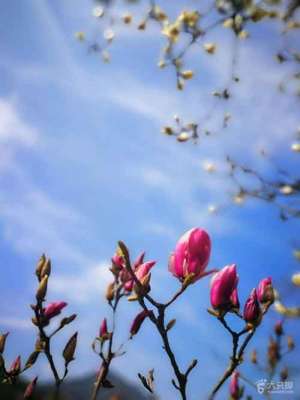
column 33, row 223
column 83, row 286
column 15, row 323
column 13, row 129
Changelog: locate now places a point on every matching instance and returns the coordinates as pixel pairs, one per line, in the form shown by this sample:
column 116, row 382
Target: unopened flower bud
column 70, row 348
column 290, row 343
column 42, row 289
column 138, row 321
column 110, row 292
column 234, row 387
column 15, row 366
column 252, row 311
column 3, row 341
column 191, row 255
column 278, row 328
column 265, row 291
column 30, row 388
column 54, row 309
column 223, row 285
column 188, row 74
column 39, row 266
column 142, row 26
column 103, row 332
column 273, row 353
column 253, row 357
column 127, row 18
column 32, row 359
column 46, row 270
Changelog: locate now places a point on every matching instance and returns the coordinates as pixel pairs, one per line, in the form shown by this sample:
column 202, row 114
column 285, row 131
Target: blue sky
column 83, row 164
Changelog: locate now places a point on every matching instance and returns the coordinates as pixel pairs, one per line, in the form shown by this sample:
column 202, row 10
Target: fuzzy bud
column 30, row 388
column 138, row 321
column 46, row 270
column 103, row 331
column 252, row 311
column 15, row 366
column 265, row 291
column 234, row 387
column 110, row 292
column 3, row 341
column 54, row 309
column 290, row 343
column 253, row 357
column 70, row 348
column 39, row 266
column 42, row 289
column 278, row 328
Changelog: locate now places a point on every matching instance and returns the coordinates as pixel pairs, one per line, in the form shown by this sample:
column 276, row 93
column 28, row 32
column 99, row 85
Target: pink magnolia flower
column 54, row 309
column 191, row 254
column 265, row 292
column 252, row 311
column 223, row 289
column 118, row 261
column 15, row 366
column 138, row 261
column 234, row 387
column 103, row 328
column 30, row 388
column 138, row 321
column 141, row 272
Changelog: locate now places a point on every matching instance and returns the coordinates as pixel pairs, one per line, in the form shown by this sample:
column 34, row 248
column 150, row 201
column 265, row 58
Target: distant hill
column 80, row 389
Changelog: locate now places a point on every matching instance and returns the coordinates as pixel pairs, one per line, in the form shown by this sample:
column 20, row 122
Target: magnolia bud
column 278, row 328
column 110, row 292
column 46, row 270
column 191, row 255
column 273, row 353
column 54, row 309
column 138, row 321
column 42, row 289
column 265, row 291
column 70, row 348
column 39, row 266
column 252, row 311
column 3, row 341
column 67, row 320
column 32, row 359
column 290, row 343
column 15, row 366
column 103, row 331
column 223, row 289
column 30, row 388
column 254, row 357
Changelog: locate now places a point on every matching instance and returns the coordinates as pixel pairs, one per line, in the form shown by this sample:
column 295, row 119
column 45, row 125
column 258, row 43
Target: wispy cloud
column 82, row 287
column 15, row 323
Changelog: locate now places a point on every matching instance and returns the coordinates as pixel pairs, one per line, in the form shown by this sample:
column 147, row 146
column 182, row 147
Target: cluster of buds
column 224, row 296
column 183, row 132
column 43, row 315
column 135, row 279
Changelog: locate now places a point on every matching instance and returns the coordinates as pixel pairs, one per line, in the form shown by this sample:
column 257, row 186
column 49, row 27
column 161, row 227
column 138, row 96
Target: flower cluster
column 224, row 296
column 188, row 263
